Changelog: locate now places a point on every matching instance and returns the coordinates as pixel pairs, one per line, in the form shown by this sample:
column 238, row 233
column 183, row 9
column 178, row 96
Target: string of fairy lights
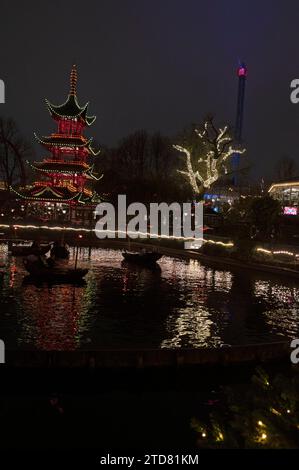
column 213, row 159
column 277, row 252
column 261, row 425
column 56, row 143
column 129, row 233
column 135, row 234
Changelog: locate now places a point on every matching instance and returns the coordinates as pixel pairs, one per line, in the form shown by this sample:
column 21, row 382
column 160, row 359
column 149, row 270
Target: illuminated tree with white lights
column 208, row 158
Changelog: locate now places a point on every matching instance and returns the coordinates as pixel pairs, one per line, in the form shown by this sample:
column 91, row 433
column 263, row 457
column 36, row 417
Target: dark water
column 180, row 304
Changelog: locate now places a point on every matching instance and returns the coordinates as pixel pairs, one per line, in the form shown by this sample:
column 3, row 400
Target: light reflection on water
column 285, row 317
column 180, row 304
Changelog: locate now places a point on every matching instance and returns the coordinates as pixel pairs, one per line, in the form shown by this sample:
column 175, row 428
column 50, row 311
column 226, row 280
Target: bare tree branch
column 13, row 152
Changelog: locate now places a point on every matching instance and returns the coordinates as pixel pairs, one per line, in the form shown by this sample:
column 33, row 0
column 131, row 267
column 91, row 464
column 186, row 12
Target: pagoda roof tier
column 64, row 167
column 60, row 194
column 71, row 109
column 61, row 140
column 89, row 173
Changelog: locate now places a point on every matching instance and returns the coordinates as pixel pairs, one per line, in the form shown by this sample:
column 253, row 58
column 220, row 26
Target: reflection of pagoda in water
column 64, row 189
column 52, row 317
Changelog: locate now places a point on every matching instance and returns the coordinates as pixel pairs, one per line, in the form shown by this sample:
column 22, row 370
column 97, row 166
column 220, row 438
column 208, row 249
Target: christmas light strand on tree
column 216, row 148
column 263, row 414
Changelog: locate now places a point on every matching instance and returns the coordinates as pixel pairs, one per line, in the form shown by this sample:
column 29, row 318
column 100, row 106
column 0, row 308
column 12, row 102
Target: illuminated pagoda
column 64, row 189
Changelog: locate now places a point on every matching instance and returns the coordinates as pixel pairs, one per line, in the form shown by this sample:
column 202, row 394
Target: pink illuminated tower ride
column 242, row 74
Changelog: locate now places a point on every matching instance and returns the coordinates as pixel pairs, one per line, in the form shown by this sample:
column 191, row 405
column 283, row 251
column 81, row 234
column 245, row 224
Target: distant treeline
column 144, row 167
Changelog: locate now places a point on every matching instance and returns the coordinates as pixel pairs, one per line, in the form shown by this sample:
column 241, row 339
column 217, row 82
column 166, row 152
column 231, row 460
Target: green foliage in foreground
column 264, row 414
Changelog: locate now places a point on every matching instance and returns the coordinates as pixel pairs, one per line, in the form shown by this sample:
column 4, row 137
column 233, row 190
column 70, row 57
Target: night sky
column 156, row 64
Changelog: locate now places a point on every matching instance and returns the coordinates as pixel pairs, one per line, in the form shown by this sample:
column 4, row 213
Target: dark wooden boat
column 21, row 250
column 55, row 274
column 145, row 258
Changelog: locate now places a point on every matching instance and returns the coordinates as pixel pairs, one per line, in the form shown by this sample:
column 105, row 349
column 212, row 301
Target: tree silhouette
column 13, row 152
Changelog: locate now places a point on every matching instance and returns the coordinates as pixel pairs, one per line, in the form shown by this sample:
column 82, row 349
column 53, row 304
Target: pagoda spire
column 73, row 81
column 70, row 108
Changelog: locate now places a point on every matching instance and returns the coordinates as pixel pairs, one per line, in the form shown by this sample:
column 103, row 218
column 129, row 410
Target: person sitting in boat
column 51, row 261
column 59, row 251
column 36, row 258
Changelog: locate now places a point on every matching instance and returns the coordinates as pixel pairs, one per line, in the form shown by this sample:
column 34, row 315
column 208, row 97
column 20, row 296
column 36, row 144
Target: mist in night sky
column 157, row 65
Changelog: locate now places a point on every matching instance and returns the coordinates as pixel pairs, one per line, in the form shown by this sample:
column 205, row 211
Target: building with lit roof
column 287, row 192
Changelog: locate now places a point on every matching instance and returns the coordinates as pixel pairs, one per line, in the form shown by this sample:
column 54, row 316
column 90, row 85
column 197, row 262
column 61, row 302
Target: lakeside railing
column 149, row 358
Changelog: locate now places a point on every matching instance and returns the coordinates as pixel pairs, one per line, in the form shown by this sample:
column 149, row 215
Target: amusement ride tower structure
column 242, row 74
